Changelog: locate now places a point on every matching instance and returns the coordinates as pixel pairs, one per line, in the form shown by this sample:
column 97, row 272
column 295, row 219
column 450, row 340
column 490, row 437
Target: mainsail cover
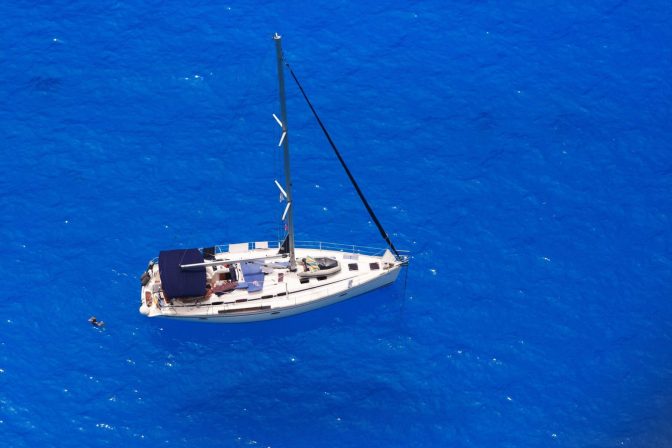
column 177, row 282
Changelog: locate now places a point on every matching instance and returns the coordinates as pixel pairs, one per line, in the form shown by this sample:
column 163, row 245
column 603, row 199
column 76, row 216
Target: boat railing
column 321, row 245
column 339, row 247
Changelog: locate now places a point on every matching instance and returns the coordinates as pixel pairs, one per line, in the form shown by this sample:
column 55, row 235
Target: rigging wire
column 345, row 167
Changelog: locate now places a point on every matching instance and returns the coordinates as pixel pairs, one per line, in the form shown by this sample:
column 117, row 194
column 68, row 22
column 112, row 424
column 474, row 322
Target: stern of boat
column 151, row 285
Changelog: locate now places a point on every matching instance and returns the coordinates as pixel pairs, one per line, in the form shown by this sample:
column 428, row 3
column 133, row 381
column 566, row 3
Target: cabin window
column 322, row 277
column 304, row 280
column 374, row 266
column 353, row 266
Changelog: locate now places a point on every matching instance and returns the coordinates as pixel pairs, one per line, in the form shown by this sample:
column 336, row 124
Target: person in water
column 95, row 322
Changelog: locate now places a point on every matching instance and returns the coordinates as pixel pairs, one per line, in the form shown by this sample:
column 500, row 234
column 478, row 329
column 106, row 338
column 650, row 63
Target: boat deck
column 282, row 290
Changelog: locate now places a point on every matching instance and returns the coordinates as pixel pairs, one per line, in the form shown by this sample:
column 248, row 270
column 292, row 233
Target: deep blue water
column 520, row 150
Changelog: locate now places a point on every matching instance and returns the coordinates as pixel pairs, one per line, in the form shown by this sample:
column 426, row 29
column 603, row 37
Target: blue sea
column 522, row 151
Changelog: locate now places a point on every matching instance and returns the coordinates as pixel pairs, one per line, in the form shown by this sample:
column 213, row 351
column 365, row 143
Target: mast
column 289, row 212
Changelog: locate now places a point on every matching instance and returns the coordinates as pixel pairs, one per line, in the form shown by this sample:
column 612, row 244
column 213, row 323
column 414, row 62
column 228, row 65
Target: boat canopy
column 177, row 282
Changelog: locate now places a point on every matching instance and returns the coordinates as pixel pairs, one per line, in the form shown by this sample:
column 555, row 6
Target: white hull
column 283, row 293
column 278, row 311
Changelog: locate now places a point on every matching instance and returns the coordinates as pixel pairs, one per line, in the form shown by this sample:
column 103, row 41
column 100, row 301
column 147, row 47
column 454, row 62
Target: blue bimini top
column 177, row 282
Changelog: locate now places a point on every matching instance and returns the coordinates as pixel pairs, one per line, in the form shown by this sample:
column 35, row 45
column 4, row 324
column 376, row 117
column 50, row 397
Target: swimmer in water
column 95, row 322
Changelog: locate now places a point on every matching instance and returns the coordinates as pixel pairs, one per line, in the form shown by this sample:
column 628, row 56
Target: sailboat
column 262, row 280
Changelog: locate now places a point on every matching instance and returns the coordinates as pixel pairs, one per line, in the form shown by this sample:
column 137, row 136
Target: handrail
column 322, row 245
